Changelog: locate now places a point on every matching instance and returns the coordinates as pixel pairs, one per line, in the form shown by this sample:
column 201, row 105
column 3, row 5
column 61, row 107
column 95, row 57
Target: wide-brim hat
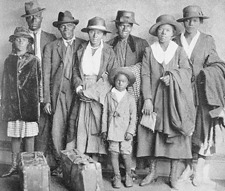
column 65, row 17
column 125, row 17
column 192, row 11
column 166, row 19
column 21, row 32
column 96, row 23
column 122, row 70
column 32, row 8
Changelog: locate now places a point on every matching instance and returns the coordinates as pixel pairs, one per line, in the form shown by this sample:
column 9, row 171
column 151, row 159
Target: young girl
column 20, row 94
column 118, row 122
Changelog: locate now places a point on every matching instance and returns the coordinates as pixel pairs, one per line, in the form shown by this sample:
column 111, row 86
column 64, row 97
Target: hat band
column 126, row 20
column 192, row 14
column 33, row 11
column 96, row 27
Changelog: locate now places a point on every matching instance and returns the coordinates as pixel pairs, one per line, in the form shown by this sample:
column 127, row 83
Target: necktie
column 35, row 43
column 68, row 61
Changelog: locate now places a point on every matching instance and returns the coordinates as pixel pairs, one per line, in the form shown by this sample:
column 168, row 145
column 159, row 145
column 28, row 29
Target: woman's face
column 121, row 82
column 165, row 33
column 191, row 25
column 21, row 43
column 95, row 37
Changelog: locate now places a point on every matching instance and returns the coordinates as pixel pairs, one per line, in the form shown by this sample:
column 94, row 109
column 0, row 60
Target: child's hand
column 104, row 136
column 128, row 136
column 166, row 80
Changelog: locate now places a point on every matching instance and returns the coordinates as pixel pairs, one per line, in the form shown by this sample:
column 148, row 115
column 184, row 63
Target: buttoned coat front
column 119, row 117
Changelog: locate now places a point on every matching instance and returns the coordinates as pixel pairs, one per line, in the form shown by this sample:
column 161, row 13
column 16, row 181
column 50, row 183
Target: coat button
column 20, row 87
column 19, row 71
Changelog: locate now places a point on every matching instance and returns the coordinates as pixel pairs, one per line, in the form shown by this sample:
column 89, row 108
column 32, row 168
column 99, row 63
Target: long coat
column 159, row 144
column 79, row 126
column 203, row 55
column 119, row 117
column 53, row 69
column 20, row 88
column 45, row 39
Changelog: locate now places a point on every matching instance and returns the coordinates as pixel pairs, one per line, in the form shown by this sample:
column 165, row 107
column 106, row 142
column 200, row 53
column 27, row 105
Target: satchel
column 149, row 121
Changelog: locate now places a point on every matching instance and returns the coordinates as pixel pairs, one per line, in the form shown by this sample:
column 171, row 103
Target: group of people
column 93, row 95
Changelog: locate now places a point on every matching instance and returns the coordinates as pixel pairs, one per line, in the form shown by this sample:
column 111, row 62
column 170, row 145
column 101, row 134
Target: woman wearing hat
column 166, row 87
column 201, row 51
column 20, row 94
column 93, row 60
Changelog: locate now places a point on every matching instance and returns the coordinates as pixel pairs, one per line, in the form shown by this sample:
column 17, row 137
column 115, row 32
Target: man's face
column 34, row 21
column 67, row 30
column 124, row 29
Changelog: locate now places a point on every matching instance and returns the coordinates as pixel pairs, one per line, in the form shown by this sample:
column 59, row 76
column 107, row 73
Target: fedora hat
column 165, row 19
column 21, row 32
column 122, row 70
column 192, row 11
column 96, row 23
column 65, row 17
column 125, row 17
column 32, row 8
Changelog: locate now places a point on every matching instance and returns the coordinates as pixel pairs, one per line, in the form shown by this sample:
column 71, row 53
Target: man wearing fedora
column 129, row 50
column 58, row 93
column 33, row 16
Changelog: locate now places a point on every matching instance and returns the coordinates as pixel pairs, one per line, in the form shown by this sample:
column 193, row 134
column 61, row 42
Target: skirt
column 21, row 129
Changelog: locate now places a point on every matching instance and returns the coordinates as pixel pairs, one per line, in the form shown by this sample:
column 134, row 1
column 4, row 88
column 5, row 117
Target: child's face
column 21, row 43
column 121, row 82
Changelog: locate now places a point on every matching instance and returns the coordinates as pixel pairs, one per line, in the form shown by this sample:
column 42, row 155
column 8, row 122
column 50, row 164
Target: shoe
column 116, row 183
column 14, row 167
column 186, row 174
column 128, row 180
column 57, row 172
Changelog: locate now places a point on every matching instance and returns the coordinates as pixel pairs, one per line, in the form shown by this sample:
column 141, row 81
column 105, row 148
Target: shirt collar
column 69, row 41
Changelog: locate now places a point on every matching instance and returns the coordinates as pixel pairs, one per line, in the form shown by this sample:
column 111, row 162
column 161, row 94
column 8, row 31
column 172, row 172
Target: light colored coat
column 119, row 117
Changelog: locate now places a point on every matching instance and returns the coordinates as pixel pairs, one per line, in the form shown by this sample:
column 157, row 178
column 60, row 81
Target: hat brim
column 12, row 37
column 25, row 15
column 186, row 18
column 178, row 27
column 91, row 28
column 57, row 23
column 116, row 21
column 122, row 70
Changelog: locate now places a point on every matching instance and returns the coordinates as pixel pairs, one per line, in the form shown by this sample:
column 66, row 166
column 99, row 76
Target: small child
column 20, row 94
column 118, row 122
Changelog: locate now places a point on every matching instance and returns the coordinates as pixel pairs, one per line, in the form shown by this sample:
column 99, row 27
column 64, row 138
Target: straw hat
column 65, row 17
column 192, row 11
column 122, row 70
column 96, row 23
column 32, row 8
column 165, row 19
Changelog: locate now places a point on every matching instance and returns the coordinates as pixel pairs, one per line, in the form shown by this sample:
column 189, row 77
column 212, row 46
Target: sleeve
column 133, row 114
column 47, row 66
column 40, row 80
column 105, row 116
column 145, row 75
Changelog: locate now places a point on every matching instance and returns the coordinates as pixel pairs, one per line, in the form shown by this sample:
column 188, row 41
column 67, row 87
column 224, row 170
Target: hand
column 147, row 107
column 166, row 80
column 104, row 136
column 83, row 97
column 70, row 145
column 128, row 136
column 48, row 108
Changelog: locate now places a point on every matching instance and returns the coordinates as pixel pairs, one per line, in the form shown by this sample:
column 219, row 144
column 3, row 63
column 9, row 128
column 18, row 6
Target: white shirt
column 189, row 47
column 69, row 41
column 164, row 56
column 38, row 42
column 119, row 95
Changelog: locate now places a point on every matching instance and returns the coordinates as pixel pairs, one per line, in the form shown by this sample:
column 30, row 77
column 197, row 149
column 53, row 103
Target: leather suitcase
column 34, row 172
column 80, row 172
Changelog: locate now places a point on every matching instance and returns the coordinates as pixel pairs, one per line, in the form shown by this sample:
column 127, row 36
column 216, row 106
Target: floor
column 56, row 184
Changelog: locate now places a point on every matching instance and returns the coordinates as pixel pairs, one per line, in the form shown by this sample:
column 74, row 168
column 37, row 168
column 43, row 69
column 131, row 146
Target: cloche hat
column 21, row 32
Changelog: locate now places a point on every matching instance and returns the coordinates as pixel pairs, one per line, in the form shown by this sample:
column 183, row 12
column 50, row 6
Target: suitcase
column 34, row 172
column 80, row 172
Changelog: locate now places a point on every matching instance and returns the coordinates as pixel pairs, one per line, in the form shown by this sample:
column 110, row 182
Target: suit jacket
column 135, row 49
column 119, row 117
column 53, row 62
column 45, row 39
column 108, row 61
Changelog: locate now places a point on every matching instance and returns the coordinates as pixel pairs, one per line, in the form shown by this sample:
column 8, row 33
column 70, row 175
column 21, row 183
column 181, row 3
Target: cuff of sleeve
column 78, row 89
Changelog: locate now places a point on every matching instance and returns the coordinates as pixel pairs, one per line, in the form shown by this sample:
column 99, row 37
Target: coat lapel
column 80, row 53
column 197, row 45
